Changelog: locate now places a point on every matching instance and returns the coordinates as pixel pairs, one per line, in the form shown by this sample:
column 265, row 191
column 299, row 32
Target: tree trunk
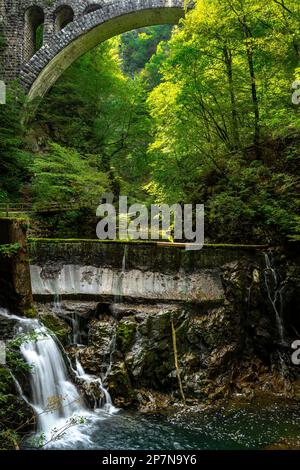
column 234, row 114
column 249, row 51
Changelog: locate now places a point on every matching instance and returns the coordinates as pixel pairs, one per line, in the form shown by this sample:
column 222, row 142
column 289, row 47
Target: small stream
column 250, row 427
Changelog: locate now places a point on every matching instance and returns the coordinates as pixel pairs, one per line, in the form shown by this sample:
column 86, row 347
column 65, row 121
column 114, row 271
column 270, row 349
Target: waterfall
column 112, row 349
column 76, row 334
column 118, row 285
column 81, row 374
column 54, row 398
column 124, row 259
column 274, row 290
column 57, row 303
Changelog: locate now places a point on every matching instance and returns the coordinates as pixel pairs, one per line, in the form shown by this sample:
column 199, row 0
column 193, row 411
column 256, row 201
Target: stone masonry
column 66, row 30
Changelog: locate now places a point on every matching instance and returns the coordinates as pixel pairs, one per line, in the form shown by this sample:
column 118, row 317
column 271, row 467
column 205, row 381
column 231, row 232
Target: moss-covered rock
column 30, row 312
column 125, row 334
column 120, row 386
column 58, row 326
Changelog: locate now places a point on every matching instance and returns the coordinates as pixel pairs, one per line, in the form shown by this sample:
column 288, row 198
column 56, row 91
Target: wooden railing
column 8, row 208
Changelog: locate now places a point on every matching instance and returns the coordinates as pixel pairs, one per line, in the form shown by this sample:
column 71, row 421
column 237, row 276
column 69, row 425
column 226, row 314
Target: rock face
column 15, row 284
column 233, row 347
column 137, row 352
column 116, row 272
column 236, row 341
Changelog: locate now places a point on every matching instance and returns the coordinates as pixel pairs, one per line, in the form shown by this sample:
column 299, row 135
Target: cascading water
column 57, row 303
column 76, row 333
column 274, row 290
column 118, row 287
column 81, row 374
column 54, row 398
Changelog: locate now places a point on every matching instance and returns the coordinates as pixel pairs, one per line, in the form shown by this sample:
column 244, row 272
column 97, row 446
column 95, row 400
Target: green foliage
column 138, row 46
column 15, row 417
column 225, row 128
column 9, row 250
column 202, row 116
column 56, row 325
column 63, row 175
column 14, row 361
column 14, row 159
column 39, row 35
column 97, row 114
column 125, row 335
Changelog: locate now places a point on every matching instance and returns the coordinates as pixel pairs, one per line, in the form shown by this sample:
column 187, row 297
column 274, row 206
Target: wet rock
column 120, row 386
column 92, row 391
column 95, row 358
column 195, row 384
column 125, row 334
column 68, row 308
column 82, row 309
column 57, row 325
column 285, row 444
column 210, row 329
column 121, row 310
column 153, row 402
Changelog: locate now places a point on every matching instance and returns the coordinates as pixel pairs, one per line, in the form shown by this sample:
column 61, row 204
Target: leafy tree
column 138, row 46
column 99, row 112
column 223, row 104
column 14, row 159
column 63, row 175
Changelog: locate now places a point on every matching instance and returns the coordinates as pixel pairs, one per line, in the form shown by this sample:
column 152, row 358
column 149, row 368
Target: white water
column 54, row 398
column 76, row 333
column 274, row 290
column 76, row 337
column 81, row 374
column 53, row 395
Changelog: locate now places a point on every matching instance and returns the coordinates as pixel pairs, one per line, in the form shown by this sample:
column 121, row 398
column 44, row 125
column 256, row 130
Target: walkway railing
column 8, row 208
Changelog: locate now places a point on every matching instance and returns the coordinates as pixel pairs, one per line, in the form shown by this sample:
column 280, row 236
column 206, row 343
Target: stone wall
column 145, row 256
column 71, row 28
column 134, row 271
column 15, row 283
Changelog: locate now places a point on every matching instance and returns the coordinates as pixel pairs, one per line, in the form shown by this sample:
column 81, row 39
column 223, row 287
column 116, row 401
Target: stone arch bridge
column 44, row 37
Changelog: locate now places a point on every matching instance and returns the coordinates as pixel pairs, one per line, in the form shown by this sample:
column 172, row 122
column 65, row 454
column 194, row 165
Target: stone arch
column 91, row 8
column 34, row 19
column 63, row 16
column 87, row 31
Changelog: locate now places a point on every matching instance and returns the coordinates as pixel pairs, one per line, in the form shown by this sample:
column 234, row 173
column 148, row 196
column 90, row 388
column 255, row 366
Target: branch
column 176, row 361
column 281, row 4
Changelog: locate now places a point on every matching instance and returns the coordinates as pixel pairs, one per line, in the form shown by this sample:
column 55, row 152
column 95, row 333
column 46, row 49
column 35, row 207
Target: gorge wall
column 15, row 285
column 116, row 306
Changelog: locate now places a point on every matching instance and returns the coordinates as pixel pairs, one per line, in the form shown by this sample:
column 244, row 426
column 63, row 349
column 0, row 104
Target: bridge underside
column 82, row 35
